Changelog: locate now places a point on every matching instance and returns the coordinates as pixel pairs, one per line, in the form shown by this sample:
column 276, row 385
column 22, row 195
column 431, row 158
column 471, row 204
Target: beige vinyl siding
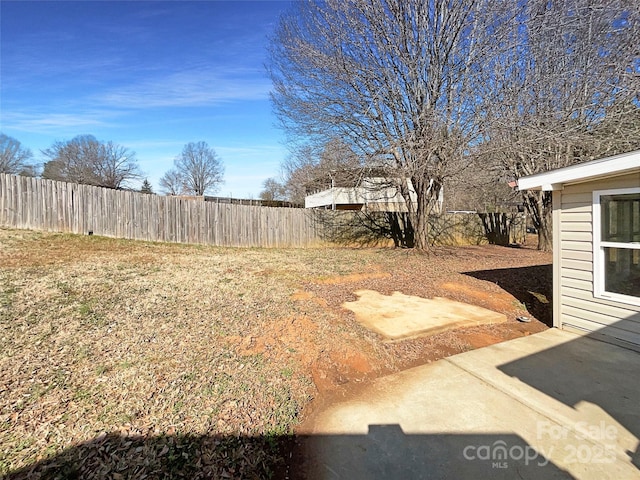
column 579, row 265
column 578, row 309
column 578, row 255
column 586, row 275
column 576, row 283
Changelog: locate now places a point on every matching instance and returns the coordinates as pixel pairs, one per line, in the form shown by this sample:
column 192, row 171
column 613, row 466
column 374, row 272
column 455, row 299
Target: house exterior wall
column 575, row 307
column 374, row 194
column 386, row 199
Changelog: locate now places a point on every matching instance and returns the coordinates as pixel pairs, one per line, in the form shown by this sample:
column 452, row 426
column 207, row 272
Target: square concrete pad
column 398, row 316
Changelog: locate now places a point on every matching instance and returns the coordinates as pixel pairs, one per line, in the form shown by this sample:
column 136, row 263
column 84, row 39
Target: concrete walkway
column 551, row 405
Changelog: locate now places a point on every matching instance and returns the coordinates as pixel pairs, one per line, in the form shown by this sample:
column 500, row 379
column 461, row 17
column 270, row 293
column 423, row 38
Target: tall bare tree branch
column 14, row 158
column 395, row 79
column 199, row 168
column 566, row 92
column 84, row 159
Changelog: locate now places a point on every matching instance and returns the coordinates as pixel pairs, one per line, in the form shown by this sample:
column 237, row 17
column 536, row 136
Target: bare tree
column 84, row 159
column 116, row 166
column 172, row 183
column 200, row 168
column 318, row 167
column 298, row 171
column 14, row 158
column 272, row 190
column 73, row 160
column 564, row 92
column 480, row 188
column 395, row 79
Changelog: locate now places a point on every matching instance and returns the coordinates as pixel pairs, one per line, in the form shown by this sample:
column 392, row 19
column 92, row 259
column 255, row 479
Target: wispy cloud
column 150, row 76
column 261, row 160
column 189, row 89
column 251, row 151
column 53, row 123
column 155, row 144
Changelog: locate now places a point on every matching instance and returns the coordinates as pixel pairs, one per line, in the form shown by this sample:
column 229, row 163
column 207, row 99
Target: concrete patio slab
column 398, row 316
column 551, row 405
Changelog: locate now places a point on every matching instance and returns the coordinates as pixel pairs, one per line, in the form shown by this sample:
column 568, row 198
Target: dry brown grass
column 101, row 336
column 122, row 359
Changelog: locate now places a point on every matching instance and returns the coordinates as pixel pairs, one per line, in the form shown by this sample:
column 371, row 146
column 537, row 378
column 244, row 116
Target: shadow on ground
column 498, row 413
column 116, row 456
column 583, row 373
column 589, row 371
column 385, row 452
column 532, row 286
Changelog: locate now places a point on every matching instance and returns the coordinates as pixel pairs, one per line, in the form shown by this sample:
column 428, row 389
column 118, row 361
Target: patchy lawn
column 126, row 359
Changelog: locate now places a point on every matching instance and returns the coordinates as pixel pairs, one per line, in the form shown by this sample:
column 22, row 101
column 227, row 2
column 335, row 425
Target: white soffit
column 555, row 179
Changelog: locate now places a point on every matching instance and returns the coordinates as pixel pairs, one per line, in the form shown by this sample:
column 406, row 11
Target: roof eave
column 556, row 179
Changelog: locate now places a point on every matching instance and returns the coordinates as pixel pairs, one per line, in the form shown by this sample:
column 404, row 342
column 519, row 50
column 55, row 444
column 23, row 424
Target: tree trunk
column 497, row 228
column 539, row 206
column 545, row 240
column 421, row 233
column 400, row 229
column 419, row 211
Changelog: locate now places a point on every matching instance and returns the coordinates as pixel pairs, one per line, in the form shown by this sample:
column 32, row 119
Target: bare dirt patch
column 120, row 359
column 497, row 300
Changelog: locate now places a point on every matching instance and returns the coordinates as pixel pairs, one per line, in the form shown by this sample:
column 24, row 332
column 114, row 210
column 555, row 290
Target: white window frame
column 599, row 246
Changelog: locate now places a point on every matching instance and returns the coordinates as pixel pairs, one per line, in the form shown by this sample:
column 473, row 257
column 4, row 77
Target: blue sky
column 148, row 75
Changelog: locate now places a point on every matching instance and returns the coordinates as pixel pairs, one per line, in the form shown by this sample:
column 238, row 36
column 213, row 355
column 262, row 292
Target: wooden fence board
column 66, row 207
column 48, row 205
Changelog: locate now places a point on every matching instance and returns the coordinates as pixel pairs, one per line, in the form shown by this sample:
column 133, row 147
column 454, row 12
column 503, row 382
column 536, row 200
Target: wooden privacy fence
column 38, row 204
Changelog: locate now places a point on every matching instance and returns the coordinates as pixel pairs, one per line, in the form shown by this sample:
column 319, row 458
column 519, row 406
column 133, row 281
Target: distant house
column 596, row 246
column 373, row 194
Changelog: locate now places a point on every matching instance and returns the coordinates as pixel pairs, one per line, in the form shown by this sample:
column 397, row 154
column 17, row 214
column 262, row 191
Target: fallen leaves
column 123, row 359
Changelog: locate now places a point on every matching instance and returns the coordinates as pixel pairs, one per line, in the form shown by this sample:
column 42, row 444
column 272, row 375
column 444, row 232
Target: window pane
column 620, row 217
column 622, row 271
